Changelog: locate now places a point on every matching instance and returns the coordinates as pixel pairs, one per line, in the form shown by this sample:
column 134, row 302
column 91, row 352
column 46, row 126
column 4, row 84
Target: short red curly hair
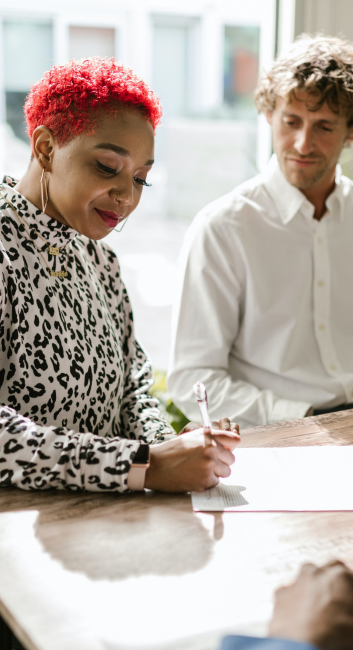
column 70, row 97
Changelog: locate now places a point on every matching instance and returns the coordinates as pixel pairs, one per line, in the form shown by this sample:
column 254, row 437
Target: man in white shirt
column 264, row 317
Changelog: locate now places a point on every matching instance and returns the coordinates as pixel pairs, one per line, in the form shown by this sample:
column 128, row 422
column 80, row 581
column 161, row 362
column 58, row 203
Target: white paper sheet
column 284, row 479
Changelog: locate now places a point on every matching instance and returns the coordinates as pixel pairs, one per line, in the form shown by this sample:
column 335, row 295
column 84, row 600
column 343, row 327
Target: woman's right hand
column 191, row 462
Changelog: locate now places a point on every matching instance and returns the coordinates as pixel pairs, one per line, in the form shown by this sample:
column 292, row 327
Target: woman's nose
column 124, row 196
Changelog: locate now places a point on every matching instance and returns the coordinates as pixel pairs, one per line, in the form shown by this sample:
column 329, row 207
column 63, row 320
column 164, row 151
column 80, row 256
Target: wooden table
column 105, row 572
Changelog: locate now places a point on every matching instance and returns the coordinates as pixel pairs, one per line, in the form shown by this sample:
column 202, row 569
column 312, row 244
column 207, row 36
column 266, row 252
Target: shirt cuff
column 269, row 643
column 286, row 409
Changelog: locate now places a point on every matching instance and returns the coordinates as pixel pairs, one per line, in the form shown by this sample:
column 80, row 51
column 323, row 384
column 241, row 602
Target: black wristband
column 142, row 455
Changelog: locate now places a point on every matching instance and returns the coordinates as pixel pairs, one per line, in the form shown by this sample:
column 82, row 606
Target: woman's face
column 96, row 180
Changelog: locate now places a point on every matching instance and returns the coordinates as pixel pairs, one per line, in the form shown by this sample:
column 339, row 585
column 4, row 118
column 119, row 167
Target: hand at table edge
column 317, row 608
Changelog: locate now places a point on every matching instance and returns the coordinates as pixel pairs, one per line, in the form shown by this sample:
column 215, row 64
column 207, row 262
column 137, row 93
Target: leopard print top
column 73, row 379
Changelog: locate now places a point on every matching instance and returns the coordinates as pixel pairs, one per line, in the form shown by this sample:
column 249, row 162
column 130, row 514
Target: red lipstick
column 110, row 219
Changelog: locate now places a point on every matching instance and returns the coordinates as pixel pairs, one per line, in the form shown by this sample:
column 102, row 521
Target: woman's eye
column 105, row 169
column 141, row 181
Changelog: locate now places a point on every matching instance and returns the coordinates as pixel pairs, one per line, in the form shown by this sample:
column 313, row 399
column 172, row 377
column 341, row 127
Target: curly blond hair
column 320, row 65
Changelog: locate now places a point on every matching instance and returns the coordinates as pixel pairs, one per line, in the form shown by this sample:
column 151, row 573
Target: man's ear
column 349, row 138
column 43, row 147
column 269, row 117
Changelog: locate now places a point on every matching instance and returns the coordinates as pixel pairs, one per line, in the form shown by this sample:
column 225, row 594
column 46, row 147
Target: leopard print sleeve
column 140, row 416
column 74, row 400
column 34, row 457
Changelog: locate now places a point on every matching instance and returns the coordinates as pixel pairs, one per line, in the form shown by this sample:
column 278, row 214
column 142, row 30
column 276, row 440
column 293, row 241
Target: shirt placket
column 322, row 310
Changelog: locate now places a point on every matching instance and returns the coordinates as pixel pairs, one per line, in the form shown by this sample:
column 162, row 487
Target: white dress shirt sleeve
column 206, row 320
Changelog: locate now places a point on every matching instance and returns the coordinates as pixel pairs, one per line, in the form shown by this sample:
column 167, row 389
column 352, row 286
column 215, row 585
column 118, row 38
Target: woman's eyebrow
column 120, row 150
column 113, row 147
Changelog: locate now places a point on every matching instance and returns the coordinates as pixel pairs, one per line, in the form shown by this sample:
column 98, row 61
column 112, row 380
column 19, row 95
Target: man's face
column 307, row 143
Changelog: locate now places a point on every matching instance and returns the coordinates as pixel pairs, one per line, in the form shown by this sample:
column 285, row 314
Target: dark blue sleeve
column 255, row 643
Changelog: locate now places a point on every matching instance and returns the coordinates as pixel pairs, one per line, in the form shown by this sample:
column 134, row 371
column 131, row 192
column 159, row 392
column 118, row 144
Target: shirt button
column 320, row 283
column 321, row 327
column 333, row 367
column 319, row 239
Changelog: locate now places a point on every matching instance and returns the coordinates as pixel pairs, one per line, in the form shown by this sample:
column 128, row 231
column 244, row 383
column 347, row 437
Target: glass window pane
column 170, row 54
column 35, row 42
column 91, row 41
column 241, row 65
column 14, row 113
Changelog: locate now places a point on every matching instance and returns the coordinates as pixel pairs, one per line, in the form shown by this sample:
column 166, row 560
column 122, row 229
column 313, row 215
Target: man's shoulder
column 345, row 195
column 347, row 184
column 248, row 198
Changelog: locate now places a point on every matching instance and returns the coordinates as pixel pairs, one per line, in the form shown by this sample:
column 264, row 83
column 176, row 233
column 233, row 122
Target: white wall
column 334, row 17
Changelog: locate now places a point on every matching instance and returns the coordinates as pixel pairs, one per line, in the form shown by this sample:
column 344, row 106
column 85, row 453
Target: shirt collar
column 289, row 200
column 335, row 202
column 48, row 229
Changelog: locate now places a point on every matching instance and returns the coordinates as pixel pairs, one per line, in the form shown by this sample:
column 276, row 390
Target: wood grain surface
column 106, row 572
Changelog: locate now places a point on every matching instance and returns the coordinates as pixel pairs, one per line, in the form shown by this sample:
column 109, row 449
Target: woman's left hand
column 223, row 425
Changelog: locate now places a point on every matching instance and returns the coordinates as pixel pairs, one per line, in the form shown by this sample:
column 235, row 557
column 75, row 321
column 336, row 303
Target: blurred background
column 202, row 57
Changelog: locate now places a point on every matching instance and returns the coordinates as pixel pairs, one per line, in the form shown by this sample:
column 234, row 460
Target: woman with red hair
column 74, row 381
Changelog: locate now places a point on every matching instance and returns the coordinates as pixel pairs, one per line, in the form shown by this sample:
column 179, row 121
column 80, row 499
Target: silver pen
column 201, row 397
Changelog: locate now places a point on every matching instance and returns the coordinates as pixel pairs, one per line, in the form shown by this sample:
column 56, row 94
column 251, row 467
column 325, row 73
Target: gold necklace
column 53, row 250
column 55, row 274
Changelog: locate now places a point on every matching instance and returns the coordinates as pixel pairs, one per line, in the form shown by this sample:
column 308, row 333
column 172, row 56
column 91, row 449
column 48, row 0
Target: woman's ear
column 43, row 147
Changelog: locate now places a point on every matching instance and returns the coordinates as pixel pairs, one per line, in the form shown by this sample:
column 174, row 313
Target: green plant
column 172, row 414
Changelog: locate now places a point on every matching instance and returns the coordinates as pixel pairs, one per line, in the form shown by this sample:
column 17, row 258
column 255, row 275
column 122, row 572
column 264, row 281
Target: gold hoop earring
column 44, row 190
